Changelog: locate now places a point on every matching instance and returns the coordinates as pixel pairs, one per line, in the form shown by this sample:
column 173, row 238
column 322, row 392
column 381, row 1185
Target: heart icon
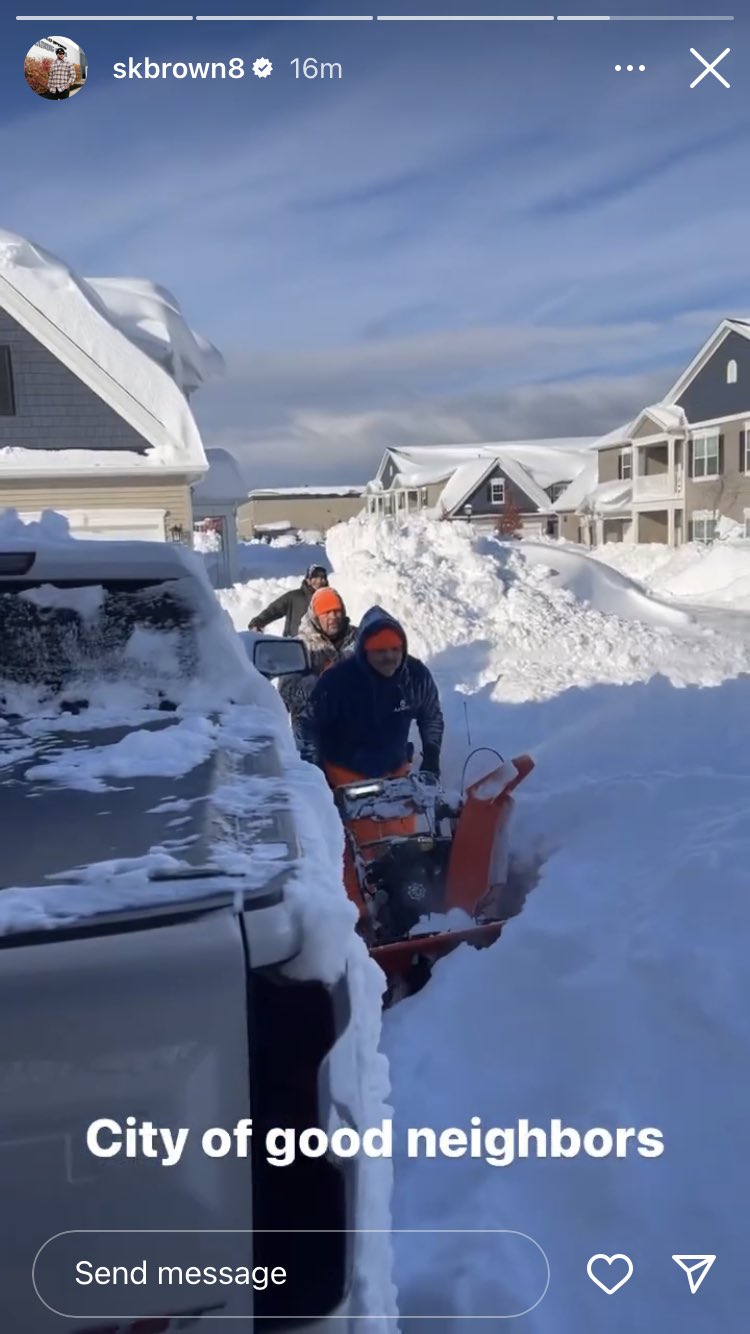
column 609, row 1260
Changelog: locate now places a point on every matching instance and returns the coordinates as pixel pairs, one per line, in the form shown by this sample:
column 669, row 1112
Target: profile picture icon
column 55, row 68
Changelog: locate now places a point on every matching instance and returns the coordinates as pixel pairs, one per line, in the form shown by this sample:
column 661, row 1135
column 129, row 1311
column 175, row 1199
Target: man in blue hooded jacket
column 358, row 718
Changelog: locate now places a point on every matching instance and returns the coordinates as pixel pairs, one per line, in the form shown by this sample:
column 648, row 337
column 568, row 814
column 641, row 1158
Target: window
column 145, row 634
column 745, row 449
column 497, row 491
column 747, row 523
column 424, row 495
column 706, row 452
column 625, row 465
column 413, row 500
column 7, row 396
column 703, row 526
column 731, row 372
column 555, row 490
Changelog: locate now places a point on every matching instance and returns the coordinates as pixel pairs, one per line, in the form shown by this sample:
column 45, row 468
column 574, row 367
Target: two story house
column 481, row 483
column 680, row 471
column 91, row 425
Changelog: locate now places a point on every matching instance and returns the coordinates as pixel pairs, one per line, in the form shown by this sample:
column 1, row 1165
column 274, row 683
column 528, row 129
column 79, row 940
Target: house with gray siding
column 90, row 424
column 680, row 471
column 513, row 482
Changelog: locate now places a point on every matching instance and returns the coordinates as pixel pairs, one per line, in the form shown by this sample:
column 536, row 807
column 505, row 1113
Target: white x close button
column 710, row 67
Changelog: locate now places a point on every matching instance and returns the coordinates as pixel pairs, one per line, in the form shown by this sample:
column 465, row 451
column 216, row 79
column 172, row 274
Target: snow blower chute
column 427, row 873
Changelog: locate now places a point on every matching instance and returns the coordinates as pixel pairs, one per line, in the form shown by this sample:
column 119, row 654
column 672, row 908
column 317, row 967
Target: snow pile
column 207, row 541
column 619, row 997
column 102, row 341
column 267, row 570
column 716, row 574
column 50, row 527
column 139, row 752
column 605, row 589
column 489, row 618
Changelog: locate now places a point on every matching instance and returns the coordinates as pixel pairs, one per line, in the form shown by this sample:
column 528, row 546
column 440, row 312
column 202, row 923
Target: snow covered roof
column 585, row 492
column 463, row 482
column 620, row 436
column 667, row 417
column 222, row 484
column 577, row 491
column 150, row 316
column 517, row 472
column 68, row 316
column 532, row 464
column 609, row 497
column 304, row 491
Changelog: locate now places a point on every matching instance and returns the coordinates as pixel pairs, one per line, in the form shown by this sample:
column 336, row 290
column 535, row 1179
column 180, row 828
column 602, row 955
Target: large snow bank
column 717, row 574
column 619, row 997
column 103, row 342
column 490, row 619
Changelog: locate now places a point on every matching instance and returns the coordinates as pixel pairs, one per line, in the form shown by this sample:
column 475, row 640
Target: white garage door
column 114, row 525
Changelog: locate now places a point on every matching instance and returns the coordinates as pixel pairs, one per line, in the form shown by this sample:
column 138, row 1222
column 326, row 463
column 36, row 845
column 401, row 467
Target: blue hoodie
column 361, row 720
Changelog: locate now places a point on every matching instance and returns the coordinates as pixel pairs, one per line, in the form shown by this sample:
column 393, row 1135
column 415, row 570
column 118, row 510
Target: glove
column 253, row 625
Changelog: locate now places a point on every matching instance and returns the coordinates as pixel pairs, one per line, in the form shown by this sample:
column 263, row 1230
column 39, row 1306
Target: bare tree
column 508, row 522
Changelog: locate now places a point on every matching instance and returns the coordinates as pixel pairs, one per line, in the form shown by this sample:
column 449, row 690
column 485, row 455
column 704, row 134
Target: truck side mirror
column 276, row 656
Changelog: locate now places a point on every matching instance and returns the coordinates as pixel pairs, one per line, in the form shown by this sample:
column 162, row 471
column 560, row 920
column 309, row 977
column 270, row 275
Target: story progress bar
column 375, row 18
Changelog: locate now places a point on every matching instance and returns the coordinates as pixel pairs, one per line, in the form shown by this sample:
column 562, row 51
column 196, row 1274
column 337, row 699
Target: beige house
column 680, row 471
column 90, row 424
column 298, row 509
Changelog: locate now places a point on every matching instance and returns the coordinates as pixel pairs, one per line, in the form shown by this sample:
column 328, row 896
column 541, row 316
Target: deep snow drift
column 717, row 574
column 619, row 996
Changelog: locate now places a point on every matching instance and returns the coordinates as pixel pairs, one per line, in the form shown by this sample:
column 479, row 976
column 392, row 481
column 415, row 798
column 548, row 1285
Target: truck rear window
column 52, row 635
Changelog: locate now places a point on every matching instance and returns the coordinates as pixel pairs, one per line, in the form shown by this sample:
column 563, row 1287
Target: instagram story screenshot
column 375, row 669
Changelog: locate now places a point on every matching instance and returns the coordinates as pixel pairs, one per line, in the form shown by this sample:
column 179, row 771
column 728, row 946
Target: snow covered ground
column 716, row 575
column 618, row 998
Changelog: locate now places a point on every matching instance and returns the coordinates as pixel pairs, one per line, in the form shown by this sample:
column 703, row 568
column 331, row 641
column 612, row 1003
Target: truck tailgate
column 147, row 1021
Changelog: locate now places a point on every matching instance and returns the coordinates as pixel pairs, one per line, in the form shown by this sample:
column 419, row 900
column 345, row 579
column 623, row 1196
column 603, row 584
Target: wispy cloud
column 470, row 233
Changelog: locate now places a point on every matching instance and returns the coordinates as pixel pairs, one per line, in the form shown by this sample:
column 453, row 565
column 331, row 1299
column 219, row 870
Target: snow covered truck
column 164, row 964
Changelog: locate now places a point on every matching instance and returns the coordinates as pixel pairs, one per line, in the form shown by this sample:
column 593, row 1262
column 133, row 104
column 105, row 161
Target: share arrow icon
column 696, row 1267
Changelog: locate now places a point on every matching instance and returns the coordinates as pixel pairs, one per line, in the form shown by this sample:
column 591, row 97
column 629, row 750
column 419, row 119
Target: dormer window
column 731, row 372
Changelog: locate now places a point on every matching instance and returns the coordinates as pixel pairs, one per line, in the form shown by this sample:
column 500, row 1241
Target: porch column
column 672, row 476
column 670, row 518
column 599, row 532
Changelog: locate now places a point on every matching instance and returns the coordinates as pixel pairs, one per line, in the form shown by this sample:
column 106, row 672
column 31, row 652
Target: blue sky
column 481, row 231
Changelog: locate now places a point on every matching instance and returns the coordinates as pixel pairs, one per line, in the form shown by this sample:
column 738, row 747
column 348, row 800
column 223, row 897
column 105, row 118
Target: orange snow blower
column 427, row 872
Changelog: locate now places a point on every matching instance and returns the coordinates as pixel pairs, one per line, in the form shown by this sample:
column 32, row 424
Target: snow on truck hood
column 100, row 803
